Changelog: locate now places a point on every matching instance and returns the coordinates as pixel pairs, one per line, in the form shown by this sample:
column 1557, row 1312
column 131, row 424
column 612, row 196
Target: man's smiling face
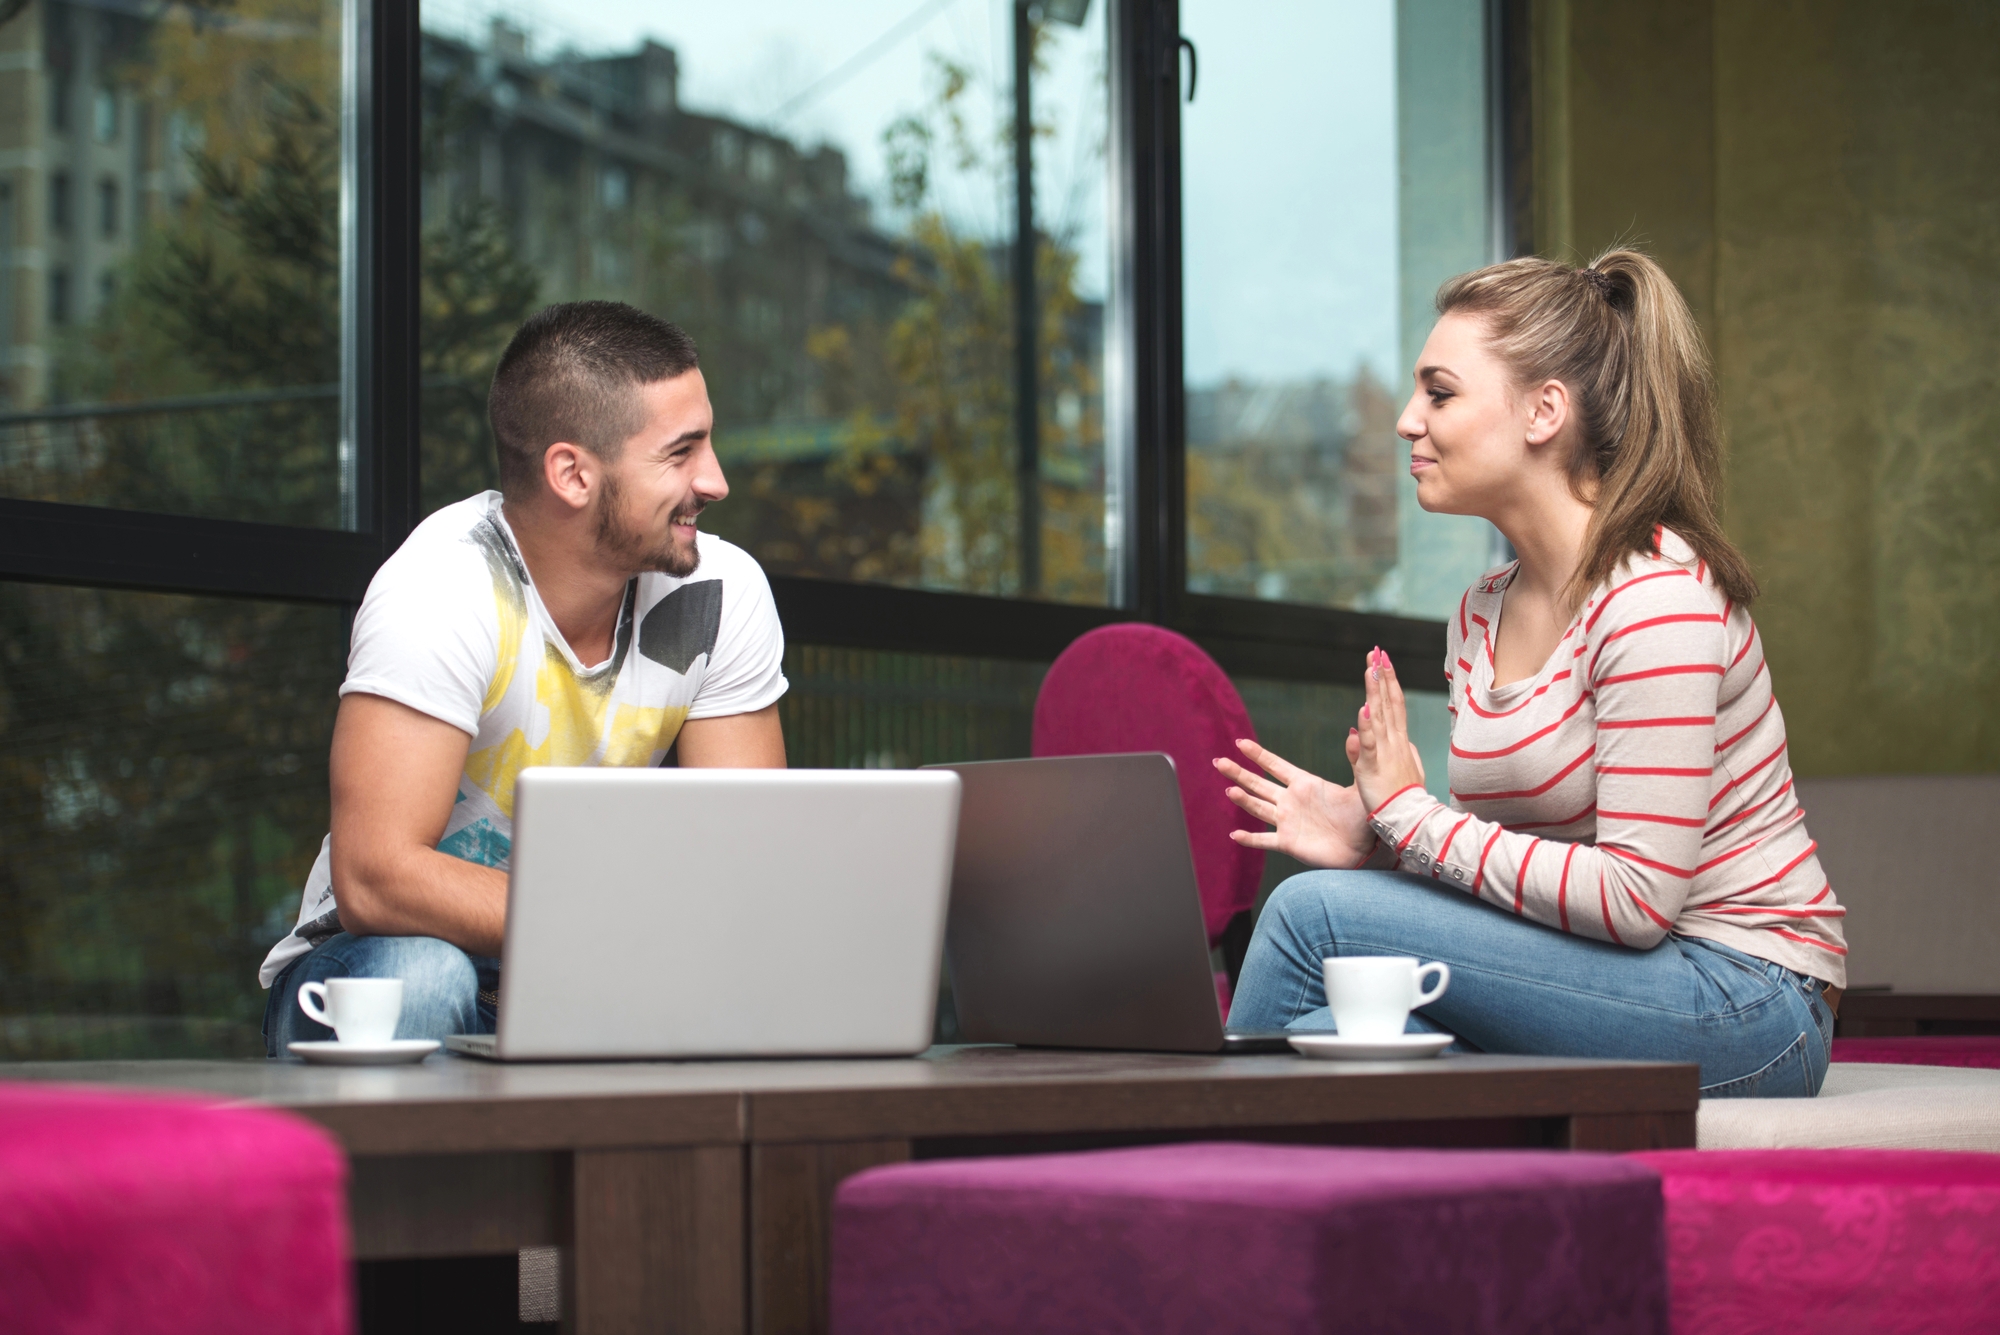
column 661, row 479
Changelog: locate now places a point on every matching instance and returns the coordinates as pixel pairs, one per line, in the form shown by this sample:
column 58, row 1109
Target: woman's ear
column 1548, row 412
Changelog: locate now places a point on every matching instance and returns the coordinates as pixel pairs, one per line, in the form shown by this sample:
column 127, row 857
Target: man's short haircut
column 569, row 374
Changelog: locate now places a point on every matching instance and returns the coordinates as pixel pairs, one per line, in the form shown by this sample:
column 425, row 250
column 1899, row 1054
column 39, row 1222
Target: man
column 575, row 617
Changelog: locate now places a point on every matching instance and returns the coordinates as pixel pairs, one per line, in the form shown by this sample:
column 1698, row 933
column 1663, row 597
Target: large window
column 170, row 232
column 1006, row 338
column 1336, row 167
column 162, row 795
column 829, row 198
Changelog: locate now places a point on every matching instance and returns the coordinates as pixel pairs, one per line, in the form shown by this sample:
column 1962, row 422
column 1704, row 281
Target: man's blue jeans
column 445, row 990
column 1757, row 1029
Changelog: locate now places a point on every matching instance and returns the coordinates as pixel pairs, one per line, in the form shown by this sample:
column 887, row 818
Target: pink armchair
column 1135, row 687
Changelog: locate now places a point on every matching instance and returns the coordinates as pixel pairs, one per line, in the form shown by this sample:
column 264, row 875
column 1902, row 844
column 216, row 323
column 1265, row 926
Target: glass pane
column 170, row 257
column 1334, row 172
column 162, row 796
column 824, row 196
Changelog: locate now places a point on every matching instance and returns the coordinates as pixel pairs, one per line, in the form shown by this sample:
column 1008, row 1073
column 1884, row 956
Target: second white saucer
column 335, row 1053
column 1397, row 1048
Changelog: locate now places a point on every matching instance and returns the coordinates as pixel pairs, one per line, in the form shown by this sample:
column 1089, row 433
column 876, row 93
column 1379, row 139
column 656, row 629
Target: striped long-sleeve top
column 1637, row 785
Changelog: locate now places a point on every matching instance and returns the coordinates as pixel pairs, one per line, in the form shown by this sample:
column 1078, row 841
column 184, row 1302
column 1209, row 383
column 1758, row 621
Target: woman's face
column 1466, row 426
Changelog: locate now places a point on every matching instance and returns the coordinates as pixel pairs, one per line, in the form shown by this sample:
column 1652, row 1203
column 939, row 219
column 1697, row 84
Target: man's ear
column 571, row 473
column 1548, row 412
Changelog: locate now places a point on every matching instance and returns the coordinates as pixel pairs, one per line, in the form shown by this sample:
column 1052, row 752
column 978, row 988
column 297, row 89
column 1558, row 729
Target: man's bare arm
column 734, row 741
column 395, row 776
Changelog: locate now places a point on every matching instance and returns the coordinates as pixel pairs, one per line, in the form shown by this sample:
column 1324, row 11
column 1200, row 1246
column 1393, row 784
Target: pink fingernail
column 1364, row 714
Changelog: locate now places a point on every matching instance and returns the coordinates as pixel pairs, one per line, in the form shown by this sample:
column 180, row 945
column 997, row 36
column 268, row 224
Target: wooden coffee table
column 695, row 1195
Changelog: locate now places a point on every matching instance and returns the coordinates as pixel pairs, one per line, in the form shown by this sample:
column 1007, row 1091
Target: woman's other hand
column 1321, row 824
column 1385, row 760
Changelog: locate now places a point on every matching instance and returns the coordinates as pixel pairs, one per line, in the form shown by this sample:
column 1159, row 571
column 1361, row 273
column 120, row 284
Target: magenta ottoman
column 1828, row 1242
column 1923, row 1050
column 1265, row 1238
column 163, row 1215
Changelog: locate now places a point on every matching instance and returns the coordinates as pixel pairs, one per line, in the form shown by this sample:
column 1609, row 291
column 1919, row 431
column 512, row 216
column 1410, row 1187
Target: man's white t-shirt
column 452, row 626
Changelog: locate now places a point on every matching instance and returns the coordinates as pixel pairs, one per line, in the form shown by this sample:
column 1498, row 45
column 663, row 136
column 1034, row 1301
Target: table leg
column 657, row 1242
column 1619, row 1132
column 791, row 1208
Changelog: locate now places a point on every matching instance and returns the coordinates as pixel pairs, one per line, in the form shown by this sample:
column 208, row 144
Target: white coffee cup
column 359, row 1010
column 1371, row 996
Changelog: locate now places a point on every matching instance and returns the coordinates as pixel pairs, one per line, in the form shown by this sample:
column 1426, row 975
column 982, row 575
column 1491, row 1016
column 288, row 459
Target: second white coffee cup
column 358, row 1010
column 1371, row 996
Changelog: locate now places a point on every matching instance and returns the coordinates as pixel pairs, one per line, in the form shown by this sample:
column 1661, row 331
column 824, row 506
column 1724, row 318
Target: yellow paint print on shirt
column 576, row 711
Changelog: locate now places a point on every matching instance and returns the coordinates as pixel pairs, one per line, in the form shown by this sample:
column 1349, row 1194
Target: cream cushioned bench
column 1865, row 1106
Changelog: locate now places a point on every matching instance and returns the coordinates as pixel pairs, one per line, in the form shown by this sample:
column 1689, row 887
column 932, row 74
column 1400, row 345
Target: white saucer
column 392, row 1053
column 1333, row 1047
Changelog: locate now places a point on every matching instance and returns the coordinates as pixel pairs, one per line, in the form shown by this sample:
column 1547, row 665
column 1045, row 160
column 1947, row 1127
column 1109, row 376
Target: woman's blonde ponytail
column 1619, row 335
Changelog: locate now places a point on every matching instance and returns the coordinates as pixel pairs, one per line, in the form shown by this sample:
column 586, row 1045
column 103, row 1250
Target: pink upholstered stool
column 1217, row 1238
column 1832, row 1242
column 1926, row 1050
column 167, row 1215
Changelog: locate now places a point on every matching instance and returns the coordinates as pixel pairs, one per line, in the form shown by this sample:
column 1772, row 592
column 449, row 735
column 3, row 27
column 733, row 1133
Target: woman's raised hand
column 1321, row 824
column 1385, row 760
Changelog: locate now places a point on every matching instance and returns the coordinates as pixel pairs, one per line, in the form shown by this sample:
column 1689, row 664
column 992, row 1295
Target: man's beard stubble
column 631, row 548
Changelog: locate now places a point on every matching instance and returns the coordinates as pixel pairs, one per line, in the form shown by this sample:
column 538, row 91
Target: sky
column 751, row 59
column 1289, row 154
column 1288, row 190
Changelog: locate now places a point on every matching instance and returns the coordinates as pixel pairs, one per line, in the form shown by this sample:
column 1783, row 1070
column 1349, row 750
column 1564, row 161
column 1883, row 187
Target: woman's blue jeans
column 445, row 990
column 1757, row 1029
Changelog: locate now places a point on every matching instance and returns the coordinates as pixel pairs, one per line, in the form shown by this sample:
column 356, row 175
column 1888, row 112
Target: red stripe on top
column 1682, row 670
column 1695, row 721
column 1604, row 907
column 1392, row 797
column 1693, row 822
column 1646, row 908
column 1591, row 624
column 1768, row 705
column 1463, row 630
column 1807, row 940
column 1562, row 888
column 1627, row 855
column 1783, row 871
column 1656, row 771
column 1414, row 828
column 1798, row 814
column 1824, row 891
column 1437, row 863
column 1564, row 773
column 1723, row 791
column 1721, row 858
column 1835, row 912
column 1521, row 873
column 1479, row 872
column 1529, row 740
column 1744, row 650
column 1538, row 693
column 1554, row 824
column 1650, row 623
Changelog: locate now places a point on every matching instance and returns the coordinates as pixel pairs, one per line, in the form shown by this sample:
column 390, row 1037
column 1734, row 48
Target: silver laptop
column 723, row 913
column 1075, row 917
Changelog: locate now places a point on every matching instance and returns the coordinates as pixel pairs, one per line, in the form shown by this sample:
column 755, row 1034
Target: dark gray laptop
column 1075, row 918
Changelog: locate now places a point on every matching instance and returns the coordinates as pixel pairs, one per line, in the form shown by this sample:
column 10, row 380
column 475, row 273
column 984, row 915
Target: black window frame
column 47, row 542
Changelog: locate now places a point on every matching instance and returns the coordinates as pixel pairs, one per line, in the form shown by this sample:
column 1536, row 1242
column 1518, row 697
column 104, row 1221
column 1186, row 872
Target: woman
column 1623, row 870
